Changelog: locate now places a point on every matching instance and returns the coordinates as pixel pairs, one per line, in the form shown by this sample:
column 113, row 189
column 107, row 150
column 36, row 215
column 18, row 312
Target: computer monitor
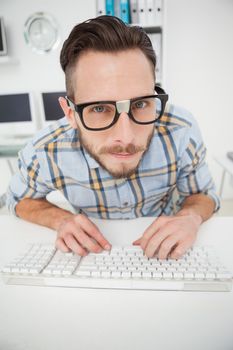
column 17, row 115
column 3, row 43
column 50, row 106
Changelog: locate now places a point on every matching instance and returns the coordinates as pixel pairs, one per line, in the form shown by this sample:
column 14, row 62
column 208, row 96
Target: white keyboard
column 121, row 268
column 14, row 141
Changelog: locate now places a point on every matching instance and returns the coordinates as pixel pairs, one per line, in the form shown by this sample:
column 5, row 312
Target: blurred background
column 194, row 44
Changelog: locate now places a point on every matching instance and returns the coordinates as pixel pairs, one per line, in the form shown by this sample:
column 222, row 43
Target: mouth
column 123, row 155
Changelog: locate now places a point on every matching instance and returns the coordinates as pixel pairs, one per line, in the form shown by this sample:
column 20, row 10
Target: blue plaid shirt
column 175, row 160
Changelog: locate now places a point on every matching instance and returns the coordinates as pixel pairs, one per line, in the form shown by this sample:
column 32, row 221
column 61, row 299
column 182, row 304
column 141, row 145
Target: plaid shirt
column 175, row 160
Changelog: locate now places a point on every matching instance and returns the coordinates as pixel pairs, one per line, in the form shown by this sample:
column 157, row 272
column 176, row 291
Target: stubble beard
column 124, row 171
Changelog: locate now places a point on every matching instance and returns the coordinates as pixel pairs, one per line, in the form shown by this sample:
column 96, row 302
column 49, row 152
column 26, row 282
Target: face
column 113, row 76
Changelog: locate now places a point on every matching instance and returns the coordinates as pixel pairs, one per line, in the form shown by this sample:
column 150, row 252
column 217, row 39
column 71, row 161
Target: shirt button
column 125, row 203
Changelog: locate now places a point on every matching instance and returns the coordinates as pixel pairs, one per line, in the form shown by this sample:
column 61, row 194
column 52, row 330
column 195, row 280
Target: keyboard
column 124, row 267
column 14, row 141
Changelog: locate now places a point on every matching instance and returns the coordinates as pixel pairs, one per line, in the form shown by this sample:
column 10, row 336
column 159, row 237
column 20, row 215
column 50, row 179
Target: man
column 118, row 153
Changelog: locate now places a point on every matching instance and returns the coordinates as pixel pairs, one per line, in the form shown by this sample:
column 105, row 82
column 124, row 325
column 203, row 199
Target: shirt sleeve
column 27, row 181
column 194, row 175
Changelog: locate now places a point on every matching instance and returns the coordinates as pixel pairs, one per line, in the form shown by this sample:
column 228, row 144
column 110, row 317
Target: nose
column 123, row 130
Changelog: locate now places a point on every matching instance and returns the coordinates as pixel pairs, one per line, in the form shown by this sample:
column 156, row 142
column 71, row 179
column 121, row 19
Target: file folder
column 150, row 11
column 100, row 7
column 117, row 8
column 134, row 11
column 124, row 10
column 142, row 12
column 110, row 7
column 158, row 13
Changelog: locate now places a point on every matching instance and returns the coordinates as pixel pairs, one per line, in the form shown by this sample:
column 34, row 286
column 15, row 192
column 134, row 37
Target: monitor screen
column 3, row 47
column 52, row 109
column 15, row 108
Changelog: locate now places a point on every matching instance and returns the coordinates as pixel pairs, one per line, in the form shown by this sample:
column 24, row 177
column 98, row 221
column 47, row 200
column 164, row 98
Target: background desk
column 48, row 318
column 9, row 153
column 227, row 167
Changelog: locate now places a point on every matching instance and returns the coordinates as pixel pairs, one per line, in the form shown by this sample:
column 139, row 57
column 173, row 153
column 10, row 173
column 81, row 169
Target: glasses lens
column 146, row 109
column 99, row 115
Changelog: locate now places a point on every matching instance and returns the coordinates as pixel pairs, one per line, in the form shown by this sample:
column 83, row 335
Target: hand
column 170, row 236
column 80, row 235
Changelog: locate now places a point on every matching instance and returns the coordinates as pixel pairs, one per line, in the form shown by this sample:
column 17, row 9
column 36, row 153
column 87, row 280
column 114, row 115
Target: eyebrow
column 114, row 101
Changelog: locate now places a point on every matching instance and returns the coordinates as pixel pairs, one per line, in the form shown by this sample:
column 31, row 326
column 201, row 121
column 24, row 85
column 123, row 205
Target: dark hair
column 105, row 34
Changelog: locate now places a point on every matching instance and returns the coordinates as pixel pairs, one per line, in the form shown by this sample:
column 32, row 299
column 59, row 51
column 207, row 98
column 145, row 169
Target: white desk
column 48, row 318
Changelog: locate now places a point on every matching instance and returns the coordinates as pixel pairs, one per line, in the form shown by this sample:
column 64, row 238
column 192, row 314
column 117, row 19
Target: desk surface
column 41, row 318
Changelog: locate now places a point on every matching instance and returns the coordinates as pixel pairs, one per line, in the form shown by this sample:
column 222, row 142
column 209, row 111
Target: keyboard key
column 116, row 274
column 146, row 274
column 223, row 275
column 188, row 275
column 83, row 273
column 95, row 273
column 88, row 268
column 210, row 276
column 157, row 275
column 136, row 274
column 126, row 274
column 106, row 274
column 57, row 272
column 167, row 275
column 178, row 275
column 199, row 275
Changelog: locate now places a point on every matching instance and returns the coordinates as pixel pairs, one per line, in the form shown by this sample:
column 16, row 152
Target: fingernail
column 107, row 247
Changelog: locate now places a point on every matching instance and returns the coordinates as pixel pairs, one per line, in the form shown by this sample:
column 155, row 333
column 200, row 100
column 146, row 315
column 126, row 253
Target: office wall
column 198, row 60
column 199, row 70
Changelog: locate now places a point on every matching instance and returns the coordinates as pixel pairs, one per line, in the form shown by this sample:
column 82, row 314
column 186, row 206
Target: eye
column 99, row 109
column 139, row 104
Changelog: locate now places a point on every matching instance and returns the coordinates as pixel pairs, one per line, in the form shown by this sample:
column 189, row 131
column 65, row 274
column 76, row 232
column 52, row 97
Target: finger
column 155, row 241
column 180, row 249
column 71, row 243
column 60, row 244
column 137, row 242
column 92, row 230
column 152, row 229
column 87, row 242
column 167, row 246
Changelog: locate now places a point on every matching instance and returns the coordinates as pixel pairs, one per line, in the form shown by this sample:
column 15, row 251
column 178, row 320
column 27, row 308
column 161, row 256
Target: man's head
column 106, row 60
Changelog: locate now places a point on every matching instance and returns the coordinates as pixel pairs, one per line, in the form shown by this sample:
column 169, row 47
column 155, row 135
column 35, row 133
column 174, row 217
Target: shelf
column 8, row 60
column 148, row 28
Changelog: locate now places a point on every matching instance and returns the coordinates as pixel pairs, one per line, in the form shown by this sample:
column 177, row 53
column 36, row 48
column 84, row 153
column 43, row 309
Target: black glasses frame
column 161, row 95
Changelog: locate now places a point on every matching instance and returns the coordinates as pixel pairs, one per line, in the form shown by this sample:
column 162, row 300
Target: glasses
column 102, row 115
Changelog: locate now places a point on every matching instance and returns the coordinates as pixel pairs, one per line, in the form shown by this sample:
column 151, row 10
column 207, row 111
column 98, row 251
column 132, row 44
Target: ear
column 68, row 111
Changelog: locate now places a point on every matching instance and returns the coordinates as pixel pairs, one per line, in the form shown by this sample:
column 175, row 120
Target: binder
column 158, row 13
column 117, row 8
column 150, row 10
column 142, row 16
column 100, row 7
column 124, row 10
column 134, row 11
column 109, row 6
